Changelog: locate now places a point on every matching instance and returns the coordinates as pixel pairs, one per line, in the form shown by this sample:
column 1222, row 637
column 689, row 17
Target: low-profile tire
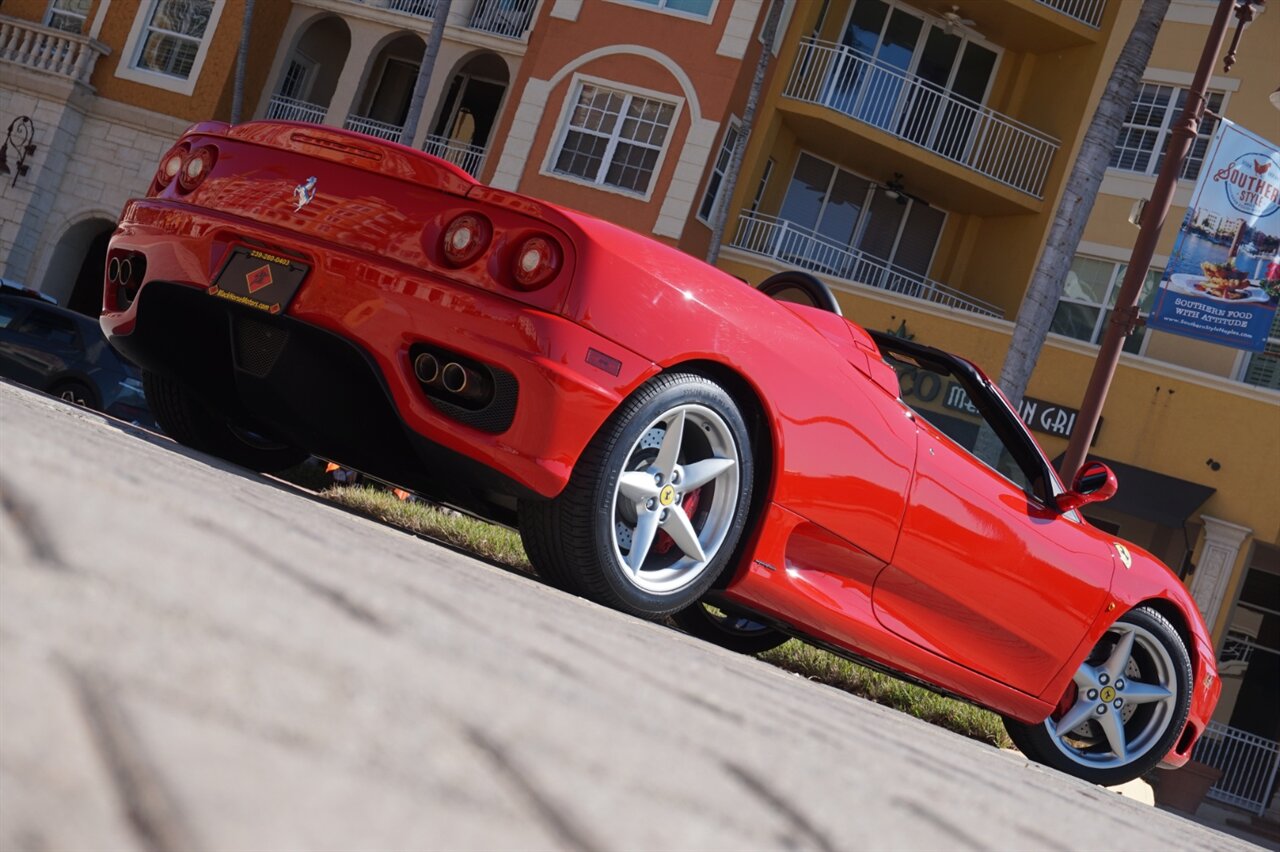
column 76, row 393
column 1125, row 708
column 188, row 421
column 728, row 630
column 656, row 504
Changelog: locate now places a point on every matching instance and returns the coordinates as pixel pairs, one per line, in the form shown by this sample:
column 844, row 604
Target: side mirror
column 1094, row 483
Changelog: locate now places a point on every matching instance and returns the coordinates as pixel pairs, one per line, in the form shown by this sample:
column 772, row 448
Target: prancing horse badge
column 1123, row 552
column 303, row 193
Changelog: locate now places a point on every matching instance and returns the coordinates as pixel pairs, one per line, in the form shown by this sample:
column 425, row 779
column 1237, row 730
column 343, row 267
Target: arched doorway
column 310, row 74
column 468, row 112
column 77, row 266
column 389, row 79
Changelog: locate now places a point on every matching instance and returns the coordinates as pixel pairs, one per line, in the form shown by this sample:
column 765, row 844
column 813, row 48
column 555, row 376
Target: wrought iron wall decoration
column 21, row 132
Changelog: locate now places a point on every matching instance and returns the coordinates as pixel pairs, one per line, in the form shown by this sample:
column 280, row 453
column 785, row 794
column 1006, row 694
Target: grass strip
column 502, row 545
column 490, row 541
column 825, row 667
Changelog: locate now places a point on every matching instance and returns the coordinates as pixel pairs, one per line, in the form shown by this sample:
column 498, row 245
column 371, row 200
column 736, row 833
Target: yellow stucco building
column 914, row 159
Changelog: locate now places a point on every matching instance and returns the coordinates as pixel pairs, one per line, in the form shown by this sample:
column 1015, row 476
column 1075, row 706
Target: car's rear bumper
column 378, row 311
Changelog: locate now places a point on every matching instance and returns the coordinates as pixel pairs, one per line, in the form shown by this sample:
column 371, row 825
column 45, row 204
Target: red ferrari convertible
column 669, row 441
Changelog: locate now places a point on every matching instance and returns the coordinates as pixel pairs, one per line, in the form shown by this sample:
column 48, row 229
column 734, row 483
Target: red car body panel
column 875, row 535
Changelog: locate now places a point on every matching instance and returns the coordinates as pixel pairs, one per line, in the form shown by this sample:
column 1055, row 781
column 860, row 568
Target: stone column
column 288, row 40
column 1222, row 542
column 519, row 142
column 364, row 40
column 683, row 190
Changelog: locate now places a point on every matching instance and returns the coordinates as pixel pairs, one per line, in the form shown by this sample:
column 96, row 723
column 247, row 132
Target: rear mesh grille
column 495, row 418
column 257, row 345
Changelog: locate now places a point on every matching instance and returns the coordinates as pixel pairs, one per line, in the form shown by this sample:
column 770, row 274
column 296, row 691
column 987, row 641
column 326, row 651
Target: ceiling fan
column 953, row 20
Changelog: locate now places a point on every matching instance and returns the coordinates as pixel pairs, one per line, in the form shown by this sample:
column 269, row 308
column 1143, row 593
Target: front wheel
column 656, row 505
column 1124, row 709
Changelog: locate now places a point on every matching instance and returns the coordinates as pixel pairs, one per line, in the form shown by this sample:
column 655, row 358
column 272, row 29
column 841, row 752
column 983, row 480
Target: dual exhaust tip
column 455, row 379
column 120, row 270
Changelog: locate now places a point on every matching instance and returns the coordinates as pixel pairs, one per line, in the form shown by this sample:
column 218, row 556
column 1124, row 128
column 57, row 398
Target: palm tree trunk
column 730, row 180
column 242, row 59
column 429, row 55
column 1041, row 299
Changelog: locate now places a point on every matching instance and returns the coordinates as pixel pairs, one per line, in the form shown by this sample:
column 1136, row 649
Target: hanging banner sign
column 1222, row 283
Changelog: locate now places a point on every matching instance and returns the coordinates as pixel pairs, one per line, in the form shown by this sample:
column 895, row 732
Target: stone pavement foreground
column 193, row 657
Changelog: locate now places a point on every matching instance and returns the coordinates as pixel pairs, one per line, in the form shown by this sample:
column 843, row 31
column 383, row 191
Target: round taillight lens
column 536, row 262
column 171, row 164
column 196, row 167
column 466, row 238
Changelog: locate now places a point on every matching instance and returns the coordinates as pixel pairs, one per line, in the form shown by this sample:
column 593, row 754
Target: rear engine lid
column 366, row 196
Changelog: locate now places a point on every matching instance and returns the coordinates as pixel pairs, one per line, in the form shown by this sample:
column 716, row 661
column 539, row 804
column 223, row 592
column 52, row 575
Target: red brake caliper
column 663, row 542
column 1067, row 701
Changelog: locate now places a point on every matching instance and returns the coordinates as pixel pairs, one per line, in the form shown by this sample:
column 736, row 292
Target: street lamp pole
column 1124, row 318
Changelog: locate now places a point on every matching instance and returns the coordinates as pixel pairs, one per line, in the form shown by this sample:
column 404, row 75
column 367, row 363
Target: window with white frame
column 299, row 72
column 172, row 35
column 697, row 8
column 1089, row 296
column 1263, row 368
column 614, row 138
column 711, row 197
column 68, row 15
column 1144, row 136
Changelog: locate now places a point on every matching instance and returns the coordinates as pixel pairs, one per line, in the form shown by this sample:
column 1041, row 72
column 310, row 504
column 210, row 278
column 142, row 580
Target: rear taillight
column 466, row 238
column 535, row 262
column 196, row 167
column 171, row 164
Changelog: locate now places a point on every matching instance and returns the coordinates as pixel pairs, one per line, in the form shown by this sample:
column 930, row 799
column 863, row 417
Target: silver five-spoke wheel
column 1123, row 703
column 676, row 500
column 1125, row 707
column 656, row 505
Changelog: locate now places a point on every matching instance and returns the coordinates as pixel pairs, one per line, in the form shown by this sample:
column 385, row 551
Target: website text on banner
column 1223, row 278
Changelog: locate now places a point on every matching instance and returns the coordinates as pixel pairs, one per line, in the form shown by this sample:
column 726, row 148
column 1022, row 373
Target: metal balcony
column 469, row 158
column 417, row 8
column 289, row 109
column 922, row 114
column 371, row 127
column 1249, row 764
column 805, row 249
column 506, row 18
column 1085, row 11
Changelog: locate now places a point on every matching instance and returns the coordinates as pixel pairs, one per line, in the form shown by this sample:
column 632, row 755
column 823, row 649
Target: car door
column 15, row 362
column 987, row 572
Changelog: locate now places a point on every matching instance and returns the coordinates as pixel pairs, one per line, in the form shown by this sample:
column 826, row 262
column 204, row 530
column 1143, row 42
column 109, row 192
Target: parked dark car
column 65, row 354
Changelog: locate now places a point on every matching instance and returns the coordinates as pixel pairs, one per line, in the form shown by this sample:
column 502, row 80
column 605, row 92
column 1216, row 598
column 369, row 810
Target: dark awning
column 1152, row 496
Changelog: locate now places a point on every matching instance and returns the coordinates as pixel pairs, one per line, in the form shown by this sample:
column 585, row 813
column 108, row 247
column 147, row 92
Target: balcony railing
column 1085, row 11
column 800, row 247
column 469, row 158
column 1248, row 763
column 507, row 18
column 417, row 8
column 48, row 50
column 370, row 127
column 289, row 109
column 912, row 109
